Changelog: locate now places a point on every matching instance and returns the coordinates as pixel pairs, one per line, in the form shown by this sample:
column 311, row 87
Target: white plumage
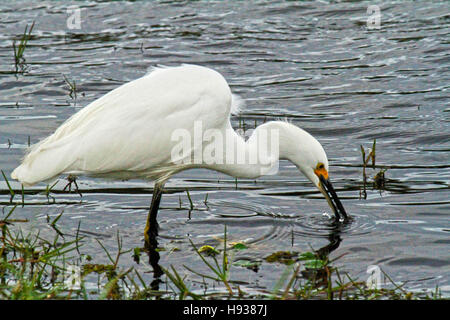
column 127, row 133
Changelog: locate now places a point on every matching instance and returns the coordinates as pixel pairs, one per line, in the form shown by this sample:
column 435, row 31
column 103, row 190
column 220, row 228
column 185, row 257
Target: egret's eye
column 320, row 171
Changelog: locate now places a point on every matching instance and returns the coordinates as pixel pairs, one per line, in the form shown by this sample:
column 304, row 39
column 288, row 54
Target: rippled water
column 315, row 63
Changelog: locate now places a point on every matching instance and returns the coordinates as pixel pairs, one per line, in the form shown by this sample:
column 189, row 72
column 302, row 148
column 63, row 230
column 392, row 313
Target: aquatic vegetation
column 72, row 179
column 19, row 50
column 208, row 250
column 249, row 264
column 191, row 204
column 284, row 257
column 311, row 260
column 73, row 90
column 11, row 191
column 30, row 266
column 53, row 223
column 370, row 156
column 239, row 246
column 221, row 272
column 318, row 279
column 48, row 190
column 33, row 267
column 379, row 179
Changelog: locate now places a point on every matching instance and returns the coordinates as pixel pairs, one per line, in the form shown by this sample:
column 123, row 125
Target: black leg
column 153, row 259
column 151, row 228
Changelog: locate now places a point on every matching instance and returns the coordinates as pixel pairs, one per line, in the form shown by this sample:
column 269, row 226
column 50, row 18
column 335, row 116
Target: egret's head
column 308, row 155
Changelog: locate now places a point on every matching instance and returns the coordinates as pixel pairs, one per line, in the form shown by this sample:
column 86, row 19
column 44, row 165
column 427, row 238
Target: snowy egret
column 129, row 133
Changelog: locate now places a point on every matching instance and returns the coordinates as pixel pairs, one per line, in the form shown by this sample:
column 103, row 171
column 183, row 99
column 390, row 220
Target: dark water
column 312, row 62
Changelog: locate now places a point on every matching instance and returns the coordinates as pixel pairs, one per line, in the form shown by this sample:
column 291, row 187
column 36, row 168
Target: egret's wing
column 131, row 127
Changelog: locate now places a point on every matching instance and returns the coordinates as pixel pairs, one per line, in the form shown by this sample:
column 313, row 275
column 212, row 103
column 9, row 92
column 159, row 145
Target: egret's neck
column 253, row 158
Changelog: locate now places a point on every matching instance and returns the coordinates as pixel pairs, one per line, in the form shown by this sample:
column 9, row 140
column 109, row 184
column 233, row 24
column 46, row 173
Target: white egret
column 128, row 133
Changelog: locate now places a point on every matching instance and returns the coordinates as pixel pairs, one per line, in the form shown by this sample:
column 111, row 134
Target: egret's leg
column 151, row 229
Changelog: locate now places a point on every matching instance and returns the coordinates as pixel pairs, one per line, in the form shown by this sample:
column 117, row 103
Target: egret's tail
column 29, row 176
column 41, row 164
column 21, row 173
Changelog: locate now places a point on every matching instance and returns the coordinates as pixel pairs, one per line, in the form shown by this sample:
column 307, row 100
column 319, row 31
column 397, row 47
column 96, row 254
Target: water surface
column 314, row 63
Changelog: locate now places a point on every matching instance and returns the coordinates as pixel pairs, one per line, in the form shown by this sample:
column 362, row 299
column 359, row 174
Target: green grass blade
column 11, row 191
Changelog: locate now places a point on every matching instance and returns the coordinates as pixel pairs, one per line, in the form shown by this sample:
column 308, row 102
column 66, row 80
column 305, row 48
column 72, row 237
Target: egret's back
column 127, row 132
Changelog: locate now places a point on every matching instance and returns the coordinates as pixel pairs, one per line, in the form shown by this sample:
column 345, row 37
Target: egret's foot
column 340, row 221
column 347, row 220
column 72, row 179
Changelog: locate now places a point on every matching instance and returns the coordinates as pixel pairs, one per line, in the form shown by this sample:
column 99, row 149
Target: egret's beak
column 327, row 190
